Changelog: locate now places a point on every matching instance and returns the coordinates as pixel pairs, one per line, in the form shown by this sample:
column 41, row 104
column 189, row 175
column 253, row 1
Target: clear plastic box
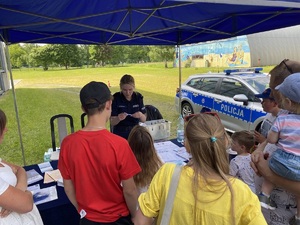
column 159, row 129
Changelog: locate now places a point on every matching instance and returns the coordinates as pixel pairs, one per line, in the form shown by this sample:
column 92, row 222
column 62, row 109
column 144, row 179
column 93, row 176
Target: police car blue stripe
column 237, row 111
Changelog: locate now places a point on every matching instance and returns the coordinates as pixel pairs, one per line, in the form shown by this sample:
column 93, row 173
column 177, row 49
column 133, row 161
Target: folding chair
column 82, row 119
column 62, row 129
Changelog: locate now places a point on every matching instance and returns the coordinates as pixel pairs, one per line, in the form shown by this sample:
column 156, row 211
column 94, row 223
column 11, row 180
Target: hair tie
column 213, row 139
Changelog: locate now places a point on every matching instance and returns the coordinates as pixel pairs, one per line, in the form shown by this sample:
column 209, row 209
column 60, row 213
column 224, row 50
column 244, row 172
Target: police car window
column 259, row 83
column 232, row 87
column 195, row 83
column 209, row 84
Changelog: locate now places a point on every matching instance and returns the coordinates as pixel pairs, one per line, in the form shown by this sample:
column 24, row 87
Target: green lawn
column 42, row 94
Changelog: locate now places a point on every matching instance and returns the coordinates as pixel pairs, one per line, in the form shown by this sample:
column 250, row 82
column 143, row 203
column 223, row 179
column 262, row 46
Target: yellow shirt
column 212, row 208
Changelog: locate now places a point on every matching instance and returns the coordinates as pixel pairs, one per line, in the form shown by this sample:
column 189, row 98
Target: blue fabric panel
column 135, row 22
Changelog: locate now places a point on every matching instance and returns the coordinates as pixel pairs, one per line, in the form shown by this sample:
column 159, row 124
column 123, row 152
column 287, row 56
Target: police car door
column 200, row 92
column 234, row 115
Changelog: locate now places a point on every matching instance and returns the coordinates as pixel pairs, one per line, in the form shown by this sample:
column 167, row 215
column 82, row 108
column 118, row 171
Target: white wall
column 4, row 79
column 272, row 47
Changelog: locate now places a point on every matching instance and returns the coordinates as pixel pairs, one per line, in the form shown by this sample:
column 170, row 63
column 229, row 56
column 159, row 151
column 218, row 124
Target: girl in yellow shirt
column 206, row 193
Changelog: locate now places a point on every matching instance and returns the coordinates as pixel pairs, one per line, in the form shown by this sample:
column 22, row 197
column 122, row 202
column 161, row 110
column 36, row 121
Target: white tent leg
column 179, row 66
column 15, row 102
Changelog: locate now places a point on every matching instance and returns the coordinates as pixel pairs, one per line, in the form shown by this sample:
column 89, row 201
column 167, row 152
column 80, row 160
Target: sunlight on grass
column 42, row 94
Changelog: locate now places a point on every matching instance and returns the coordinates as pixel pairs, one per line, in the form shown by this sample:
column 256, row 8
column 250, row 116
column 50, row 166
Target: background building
column 4, row 80
column 261, row 49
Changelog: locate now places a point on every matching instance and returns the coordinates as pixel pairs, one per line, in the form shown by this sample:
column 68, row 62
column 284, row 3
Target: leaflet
column 45, row 166
column 44, row 195
column 52, row 176
column 167, row 151
column 33, row 176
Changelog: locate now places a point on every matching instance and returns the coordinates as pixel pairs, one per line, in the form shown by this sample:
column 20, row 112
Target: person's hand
column 4, row 212
column 122, row 116
column 259, row 162
column 137, row 115
column 259, row 137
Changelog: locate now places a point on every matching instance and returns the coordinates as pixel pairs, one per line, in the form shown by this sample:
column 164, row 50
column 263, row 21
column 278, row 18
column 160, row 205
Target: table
column 59, row 211
column 231, row 153
column 171, row 151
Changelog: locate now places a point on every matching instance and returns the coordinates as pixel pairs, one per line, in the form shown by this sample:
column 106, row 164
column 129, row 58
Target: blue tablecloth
column 56, row 212
column 176, row 142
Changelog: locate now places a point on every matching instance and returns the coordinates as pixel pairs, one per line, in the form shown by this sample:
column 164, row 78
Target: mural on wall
column 233, row 52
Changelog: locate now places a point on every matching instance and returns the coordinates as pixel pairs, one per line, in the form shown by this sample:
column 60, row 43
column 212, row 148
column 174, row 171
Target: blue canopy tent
column 138, row 22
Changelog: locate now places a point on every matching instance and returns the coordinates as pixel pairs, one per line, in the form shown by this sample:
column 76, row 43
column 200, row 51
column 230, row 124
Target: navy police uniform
column 120, row 105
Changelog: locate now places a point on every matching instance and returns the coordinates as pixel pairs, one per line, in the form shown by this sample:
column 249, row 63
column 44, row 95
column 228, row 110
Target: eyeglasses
column 213, row 114
column 187, row 118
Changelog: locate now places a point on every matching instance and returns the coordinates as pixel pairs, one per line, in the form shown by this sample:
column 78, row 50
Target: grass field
column 42, row 94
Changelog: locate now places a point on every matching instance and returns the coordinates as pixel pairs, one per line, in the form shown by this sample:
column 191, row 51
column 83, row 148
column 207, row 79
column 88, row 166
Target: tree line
column 66, row 55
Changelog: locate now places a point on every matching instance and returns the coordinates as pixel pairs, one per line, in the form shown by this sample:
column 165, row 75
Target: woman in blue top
column 127, row 108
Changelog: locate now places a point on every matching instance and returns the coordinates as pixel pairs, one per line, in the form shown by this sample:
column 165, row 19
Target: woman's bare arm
column 141, row 219
column 261, row 166
column 16, row 200
column 20, row 174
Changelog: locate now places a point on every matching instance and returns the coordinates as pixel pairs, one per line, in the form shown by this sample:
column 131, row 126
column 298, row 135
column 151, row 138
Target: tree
column 101, row 54
column 118, row 55
column 137, row 54
column 42, row 56
column 17, row 56
column 161, row 53
column 65, row 55
column 30, row 62
column 84, row 52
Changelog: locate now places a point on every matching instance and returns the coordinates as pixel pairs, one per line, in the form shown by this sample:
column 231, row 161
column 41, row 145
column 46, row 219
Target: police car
column 231, row 94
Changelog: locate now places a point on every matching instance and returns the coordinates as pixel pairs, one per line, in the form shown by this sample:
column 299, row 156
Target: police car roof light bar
column 254, row 69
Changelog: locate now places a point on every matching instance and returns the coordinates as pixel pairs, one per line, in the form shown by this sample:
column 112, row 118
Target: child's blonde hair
column 208, row 141
column 293, row 107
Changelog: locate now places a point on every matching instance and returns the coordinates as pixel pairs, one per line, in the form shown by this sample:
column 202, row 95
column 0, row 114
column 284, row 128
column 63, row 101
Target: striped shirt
column 288, row 127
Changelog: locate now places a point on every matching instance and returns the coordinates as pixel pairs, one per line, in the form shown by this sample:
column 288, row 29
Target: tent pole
column 179, row 66
column 15, row 102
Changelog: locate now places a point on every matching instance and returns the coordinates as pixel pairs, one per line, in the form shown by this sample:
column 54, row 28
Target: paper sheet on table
column 33, row 188
column 60, row 182
column 183, row 153
column 33, row 176
column 45, row 166
column 44, row 195
column 167, row 150
column 170, row 157
column 51, row 176
column 166, row 145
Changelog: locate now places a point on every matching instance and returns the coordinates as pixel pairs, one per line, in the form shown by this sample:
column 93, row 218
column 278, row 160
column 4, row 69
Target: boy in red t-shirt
column 98, row 166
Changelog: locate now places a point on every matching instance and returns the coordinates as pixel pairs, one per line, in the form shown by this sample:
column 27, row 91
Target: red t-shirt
column 96, row 162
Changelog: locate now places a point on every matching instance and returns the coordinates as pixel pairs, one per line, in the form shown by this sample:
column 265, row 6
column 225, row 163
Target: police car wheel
column 186, row 109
